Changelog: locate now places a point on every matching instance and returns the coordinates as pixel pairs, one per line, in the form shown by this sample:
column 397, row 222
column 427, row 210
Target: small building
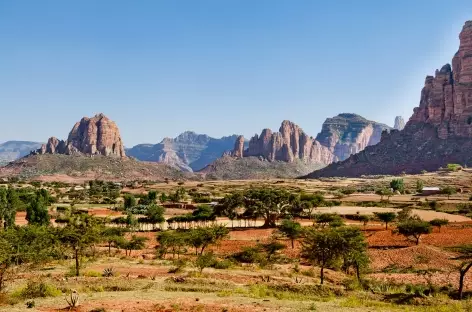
column 428, row 190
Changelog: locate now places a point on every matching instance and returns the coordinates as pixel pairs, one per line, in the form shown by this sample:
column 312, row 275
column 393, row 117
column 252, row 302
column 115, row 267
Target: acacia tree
column 353, row 250
column 386, row 217
column 415, row 228
column 465, row 256
column 81, row 232
column 155, row 215
column 291, row 229
column 439, row 223
column 322, row 248
column 268, row 203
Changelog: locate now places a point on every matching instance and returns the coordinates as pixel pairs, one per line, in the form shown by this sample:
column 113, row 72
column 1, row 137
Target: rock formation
column 90, row 136
column 189, row 151
column 439, row 131
column 399, row 123
column 287, row 145
column 348, row 134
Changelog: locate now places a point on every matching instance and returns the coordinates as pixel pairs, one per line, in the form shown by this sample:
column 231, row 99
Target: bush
column 36, row 289
column 248, row 255
column 223, row 264
column 205, row 260
column 454, row 167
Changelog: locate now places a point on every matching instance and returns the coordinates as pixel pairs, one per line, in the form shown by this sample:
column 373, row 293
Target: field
column 401, row 275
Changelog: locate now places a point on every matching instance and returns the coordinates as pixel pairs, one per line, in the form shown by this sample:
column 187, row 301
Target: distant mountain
column 189, row 151
column 347, row 134
column 12, row 150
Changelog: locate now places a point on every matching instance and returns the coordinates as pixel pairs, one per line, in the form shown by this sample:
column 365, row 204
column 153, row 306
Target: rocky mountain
column 439, row 131
column 347, row 134
column 399, row 123
column 289, row 144
column 13, row 150
column 90, row 136
column 189, row 151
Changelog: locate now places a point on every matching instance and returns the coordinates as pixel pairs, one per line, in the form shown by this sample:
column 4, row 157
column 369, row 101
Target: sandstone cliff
column 348, row 134
column 438, row 132
column 189, row 151
column 90, row 136
column 287, row 145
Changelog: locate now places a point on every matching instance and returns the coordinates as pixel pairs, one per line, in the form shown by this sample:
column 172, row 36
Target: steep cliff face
column 189, row 151
column 348, row 134
column 287, row 145
column 438, row 132
column 399, row 123
column 90, row 136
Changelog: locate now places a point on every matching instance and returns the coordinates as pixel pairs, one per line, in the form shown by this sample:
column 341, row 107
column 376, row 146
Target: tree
column 353, row 250
column 173, row 240
column 201, row 238
column 155, row 214
column 365, row 219
column 415, row 228
column 397, row 185
column 419, row 186
column 112, row 236
column 291, row 229
column 465, row 255
column 9, row 203
column 386, row 217
column 135, row 243
column 306, row 203
column 205, row 260
column 268, row 203
column 37, row 210
column 81, row 232
column 272, row 248
column 384, row 192
column 152, row 196
column 322, row 248
column 439, row 223
column 331, row 219
column 129, row 201
column 447, row 190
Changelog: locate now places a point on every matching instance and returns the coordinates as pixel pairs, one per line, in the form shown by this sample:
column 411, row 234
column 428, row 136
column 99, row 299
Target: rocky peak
column 347, row 134
column 90, row 136
column 399, row 123
column 439, row 131
column 287, row 145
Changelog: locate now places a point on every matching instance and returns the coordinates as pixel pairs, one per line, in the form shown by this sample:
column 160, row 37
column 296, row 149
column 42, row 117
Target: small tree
column 37, row 211
column 419, row 186
column 414, row 228
column 439, row 223
column 365, row 219
column 324, row 219
column 386, row 217
column 447, row 190
column 272, row 248
column 397, row 185
column 465, row 256
column 384, row 192
column 135, row 243
column 129, row 201
column 113, row 236
column 291, row 229
column 205, row 260
column 155, row 215
column 322, row 248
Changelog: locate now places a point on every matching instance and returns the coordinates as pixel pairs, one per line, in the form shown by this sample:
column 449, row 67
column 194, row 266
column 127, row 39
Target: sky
column 219, row 67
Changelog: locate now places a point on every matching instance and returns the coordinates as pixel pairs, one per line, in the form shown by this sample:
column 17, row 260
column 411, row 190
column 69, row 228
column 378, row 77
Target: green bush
column 36, row 289
column 249, row 255
column 223, row 264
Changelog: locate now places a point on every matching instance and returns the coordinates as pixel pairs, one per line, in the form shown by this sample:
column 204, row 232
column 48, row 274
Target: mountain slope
column 12, row 150
column 189, row 151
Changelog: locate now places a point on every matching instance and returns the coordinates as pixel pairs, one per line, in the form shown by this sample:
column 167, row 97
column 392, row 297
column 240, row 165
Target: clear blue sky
column 218, row 67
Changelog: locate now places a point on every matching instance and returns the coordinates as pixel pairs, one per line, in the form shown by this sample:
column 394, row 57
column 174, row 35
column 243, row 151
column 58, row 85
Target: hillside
column 231, row 168
column 12, row 150
column 189, row 151
column 79, row 167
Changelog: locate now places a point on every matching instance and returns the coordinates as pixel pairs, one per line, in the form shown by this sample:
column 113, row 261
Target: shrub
column 223, row 265
column 37, row 289
column 92, row 274
column 205, row 260
column 249, row 255
column 397, row 185
column 454, row 167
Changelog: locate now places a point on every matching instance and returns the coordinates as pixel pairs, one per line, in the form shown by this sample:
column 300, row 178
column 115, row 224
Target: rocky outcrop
column 348, row 134
column 287, row 145
column 439, row 131
column 90, row 136
column 189, row 151
column 238, row 150
column 399, row 123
